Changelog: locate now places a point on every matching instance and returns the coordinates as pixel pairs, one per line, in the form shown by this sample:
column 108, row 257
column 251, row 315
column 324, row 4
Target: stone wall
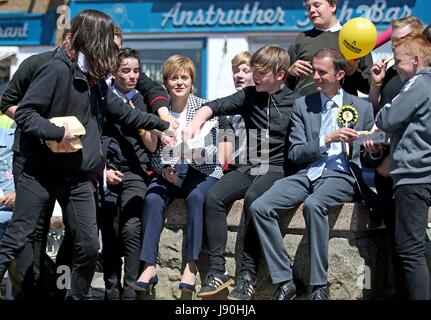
column 359, row 258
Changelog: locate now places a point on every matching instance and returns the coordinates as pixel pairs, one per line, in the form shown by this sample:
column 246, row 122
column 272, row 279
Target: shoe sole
column 136, row 288
column 211, row 293
column 236, row 299
column 187, row 289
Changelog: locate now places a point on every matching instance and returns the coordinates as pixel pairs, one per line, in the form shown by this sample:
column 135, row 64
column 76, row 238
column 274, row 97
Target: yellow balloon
column 357, row 38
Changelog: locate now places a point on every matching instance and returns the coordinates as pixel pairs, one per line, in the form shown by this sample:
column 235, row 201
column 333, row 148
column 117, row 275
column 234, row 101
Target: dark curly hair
column 93, row 35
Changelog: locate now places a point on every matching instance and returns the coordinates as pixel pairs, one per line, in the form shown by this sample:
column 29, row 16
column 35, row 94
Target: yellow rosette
column 348, row 116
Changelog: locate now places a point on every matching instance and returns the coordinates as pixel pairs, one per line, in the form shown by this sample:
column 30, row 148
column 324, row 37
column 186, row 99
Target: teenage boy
column 407, row 119
column 266, row 109
column 324, row 34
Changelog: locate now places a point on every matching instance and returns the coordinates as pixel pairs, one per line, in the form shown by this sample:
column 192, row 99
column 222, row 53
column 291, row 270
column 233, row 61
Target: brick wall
column 30, row 6
column 15, row 6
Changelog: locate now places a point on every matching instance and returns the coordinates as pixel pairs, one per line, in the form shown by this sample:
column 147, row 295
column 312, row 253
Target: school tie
column 329, row 124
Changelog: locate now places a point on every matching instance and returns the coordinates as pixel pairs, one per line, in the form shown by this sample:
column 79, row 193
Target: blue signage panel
column 27, row 29
column 167, row 16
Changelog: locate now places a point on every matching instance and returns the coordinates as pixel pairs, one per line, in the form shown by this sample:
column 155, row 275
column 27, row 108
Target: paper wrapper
column 181, row 146
column 376, row 136
column 75, row 127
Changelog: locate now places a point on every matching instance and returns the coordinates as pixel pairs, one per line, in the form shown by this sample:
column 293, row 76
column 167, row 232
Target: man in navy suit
column 329, row 173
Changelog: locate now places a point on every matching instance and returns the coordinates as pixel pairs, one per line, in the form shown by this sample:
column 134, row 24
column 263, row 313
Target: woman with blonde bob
column 178, row 175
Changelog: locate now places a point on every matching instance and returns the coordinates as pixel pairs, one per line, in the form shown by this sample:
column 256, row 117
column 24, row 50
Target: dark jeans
column 160, row 193
column 120, row 223
column 33, row 197
column 412, row 203
column 32, row 275
column 231, row 187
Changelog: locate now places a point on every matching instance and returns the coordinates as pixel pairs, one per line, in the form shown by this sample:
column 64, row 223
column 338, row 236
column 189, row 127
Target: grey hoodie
column 408, row 119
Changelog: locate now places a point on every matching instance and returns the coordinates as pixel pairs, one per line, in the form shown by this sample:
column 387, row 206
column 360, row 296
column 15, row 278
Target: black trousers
column 412, row 203
column 120, row 224
column 33, row 280
column 384, row 187
column 34, row 195
column 231, row 187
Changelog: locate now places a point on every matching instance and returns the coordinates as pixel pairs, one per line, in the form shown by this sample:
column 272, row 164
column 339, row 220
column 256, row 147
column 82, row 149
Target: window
column 154, row 53
column 283, row 41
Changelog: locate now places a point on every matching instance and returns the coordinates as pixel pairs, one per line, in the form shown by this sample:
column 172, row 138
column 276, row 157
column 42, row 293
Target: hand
column 300, row 68
column 341, row 135
column 378, row 71
column 167, row 139
column 372, row 147
column 114, row 177
column 170, row 174
column 10, row 112
column 8, row 199
column 383, row 168
column 190, row 132
column 352, row 65
column 173, row 122
column 68, row 141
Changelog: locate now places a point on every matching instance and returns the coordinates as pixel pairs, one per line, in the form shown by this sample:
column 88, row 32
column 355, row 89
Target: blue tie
column 329, row 124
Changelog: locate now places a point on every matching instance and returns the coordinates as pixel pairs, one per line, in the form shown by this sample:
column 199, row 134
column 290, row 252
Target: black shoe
column 319, row 293
column 214, row 283
column 285, row 291
column 244, row 287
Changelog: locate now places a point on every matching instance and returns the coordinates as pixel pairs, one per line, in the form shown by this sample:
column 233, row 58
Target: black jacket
column 261, row 110
column 134, row 153
column 59, row 88
column 19, row 84
column 154, row 94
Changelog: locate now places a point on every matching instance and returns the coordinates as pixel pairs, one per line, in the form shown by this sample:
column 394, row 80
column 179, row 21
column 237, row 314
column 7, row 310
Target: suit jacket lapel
column 314, row 107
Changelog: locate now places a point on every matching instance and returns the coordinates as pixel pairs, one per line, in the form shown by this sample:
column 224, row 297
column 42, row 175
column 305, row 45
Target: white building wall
column 220, row 51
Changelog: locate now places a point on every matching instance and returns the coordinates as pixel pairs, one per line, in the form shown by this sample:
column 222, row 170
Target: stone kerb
column 358, row 253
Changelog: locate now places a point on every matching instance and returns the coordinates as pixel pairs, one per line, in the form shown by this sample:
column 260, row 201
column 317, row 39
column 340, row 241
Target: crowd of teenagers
column 277, row 142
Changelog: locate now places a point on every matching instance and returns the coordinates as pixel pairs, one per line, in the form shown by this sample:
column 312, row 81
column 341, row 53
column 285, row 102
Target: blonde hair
column 415, row 24
column 270, row 58
column 178, row 63
column 241, row 58
column 416, row 45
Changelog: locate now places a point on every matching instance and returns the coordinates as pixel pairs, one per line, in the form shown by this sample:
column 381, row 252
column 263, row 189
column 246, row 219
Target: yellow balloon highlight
column 357, row 38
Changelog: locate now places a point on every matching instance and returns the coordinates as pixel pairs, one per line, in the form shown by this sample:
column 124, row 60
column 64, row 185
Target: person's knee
column 257, row 209
column 311, row 206
column 90, row 248
column 195, row 198
column 249, row 198
column 153, row 200
column 213, row 199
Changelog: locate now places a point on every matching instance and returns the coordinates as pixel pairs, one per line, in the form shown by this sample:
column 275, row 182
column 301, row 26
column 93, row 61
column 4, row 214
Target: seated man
column 321, row 146
column 7, row 189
